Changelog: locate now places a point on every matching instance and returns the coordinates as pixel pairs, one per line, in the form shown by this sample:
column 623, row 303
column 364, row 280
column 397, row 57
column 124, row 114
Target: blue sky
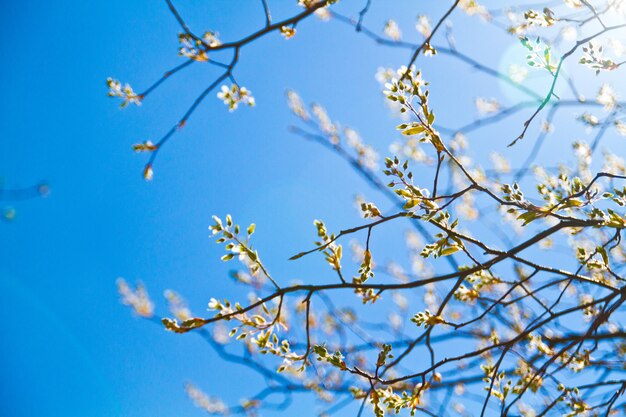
column 69, row 347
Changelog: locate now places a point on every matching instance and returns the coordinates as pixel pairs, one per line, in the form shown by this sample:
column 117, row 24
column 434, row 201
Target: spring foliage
column 511, row 298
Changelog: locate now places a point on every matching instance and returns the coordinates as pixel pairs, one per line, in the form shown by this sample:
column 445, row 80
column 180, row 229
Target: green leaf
column 415, row 130
column 604, row 255
column 450, row 250
column 528, row 217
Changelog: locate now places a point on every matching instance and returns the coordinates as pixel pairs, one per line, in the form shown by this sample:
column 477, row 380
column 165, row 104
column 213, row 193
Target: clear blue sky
column 69, row 348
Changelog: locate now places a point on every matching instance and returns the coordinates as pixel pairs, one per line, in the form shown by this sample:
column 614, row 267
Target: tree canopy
column 508, row 298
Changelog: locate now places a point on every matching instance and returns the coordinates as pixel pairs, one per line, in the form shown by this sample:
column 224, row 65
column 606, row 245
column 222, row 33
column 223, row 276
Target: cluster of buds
column 125, row 92
column 234, row 95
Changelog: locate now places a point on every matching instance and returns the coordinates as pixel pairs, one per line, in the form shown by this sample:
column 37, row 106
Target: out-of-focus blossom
column 136, row 298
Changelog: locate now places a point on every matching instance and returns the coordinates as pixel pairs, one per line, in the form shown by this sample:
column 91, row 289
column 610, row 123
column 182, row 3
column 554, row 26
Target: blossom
column 213, row 304
column 148, row 173
column 607, row 97
column 211, row 405
column 574, row 4
column 589, row 119
column 517, row 73
column 487, row 105
column 211, row 38
column 569, row 33
column 617, row 6
column 325, row 123
column 192, row 48
column 297, row 105
column 392, row 30
column 500, row 163
column 306, row 3
column 617, row 46
column 323, row 14
column 423, row 26
column 124, row 92
column 472, row 7
column 620, row 127
column 384, row 75
column 138, row 298
column 220, row 333
column 234, row 95
column 177, row 305
column 614, row 164
column 288, row 32
column 467, row 208
column 583, row 153
column 410, row 148
column 396, row 87
column 367, row 156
